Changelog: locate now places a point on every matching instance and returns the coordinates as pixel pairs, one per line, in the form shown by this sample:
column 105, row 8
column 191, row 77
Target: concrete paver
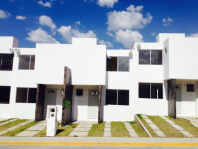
column 148, row 121
column 36, row 128
column 107, row 126
column 79, row 134
column 187, row 134
column 107, row 129
column 131, row 131
column 153, row 126
column 8, row 122
column 27, row 133
column 134, row 135
column 107, row 134
column 77, row 129
column 3, row 119
column 2, row 132
column 160, row 133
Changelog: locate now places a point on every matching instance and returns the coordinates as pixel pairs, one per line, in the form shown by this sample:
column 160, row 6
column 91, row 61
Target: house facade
column 157, row 78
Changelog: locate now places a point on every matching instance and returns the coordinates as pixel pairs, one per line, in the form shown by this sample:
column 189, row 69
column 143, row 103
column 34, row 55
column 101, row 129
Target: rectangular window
column 123, row 63
column 26, row 62
column 4, row 94
column 190, row 87
column 117, row 97
column 123, row 97
column 156, row 57
column 79, row 92
column 151, row 90
column 111, row 97
column 112, row 64
column 144, row 90
column 156, row 90
column 26, row 95
column 144, row 57
column 6, row 62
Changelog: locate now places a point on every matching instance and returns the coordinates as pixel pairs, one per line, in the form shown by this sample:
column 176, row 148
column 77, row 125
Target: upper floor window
column 150, row 57
column 6, row 62
column 5, row 94
column 26, row 62
column 117, row 63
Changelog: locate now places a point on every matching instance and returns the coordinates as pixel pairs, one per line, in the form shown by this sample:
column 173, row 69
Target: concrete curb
column 140, row 124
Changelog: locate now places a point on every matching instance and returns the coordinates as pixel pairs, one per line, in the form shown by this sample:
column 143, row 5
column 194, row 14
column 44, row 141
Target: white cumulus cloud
column 193, row 35
column 167, row 21
column 107, row 3
column 40, row 36
column 127, row 37
column 110, row 34
column 78, row 22
column 130, row 19
column 46, row 4
column 4, row 14
column 153, row 33
column 20, row 17
column 108, row 43
column 45, row 20
column 67, row 32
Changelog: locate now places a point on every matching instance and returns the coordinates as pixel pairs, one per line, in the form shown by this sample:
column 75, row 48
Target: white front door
column 50, row 98
column 178, row 98
column 93, row 104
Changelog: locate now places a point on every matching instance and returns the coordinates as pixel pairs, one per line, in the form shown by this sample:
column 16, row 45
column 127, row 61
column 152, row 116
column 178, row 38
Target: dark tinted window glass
column 21, row 95
column 144, row 57
column 156, row 90
column 111, row 97
column 32, row 95
column 79, row 92
column 190, row 87
column 6, row 61
column 112, row 64
column 4, row 94
column 24, row 61
column 32, row 62
column 123, row 97
column 156, row 57
column 144, row 90
column 123, row 64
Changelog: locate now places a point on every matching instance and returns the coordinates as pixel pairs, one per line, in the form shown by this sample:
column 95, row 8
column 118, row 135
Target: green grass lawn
column 186, row 125
column 65, row 131
column 11, row 124
column 118, row 129
column 42, row 133
column 165, row 127
column 153, row 134
column 6, row 120
column 19, row 129
column 97, row 130
column 138, row 130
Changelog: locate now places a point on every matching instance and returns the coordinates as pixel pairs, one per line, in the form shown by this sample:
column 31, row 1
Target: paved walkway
column 82, row 129
column 154, row 127
column 107, row 129
column 30, row 132
column 186, row 133
column 14, row 127
column 8, row 122
column 131, row 131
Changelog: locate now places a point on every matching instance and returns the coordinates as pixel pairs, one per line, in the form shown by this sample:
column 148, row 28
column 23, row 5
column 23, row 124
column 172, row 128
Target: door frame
column 45, row 106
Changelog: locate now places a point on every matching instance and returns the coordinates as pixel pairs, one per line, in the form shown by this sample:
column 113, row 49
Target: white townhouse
column 159, row 78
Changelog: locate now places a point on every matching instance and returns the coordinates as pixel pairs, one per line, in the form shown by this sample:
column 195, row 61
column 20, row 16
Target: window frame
column 82, row 92
column 118, row 57
column 27, row 95
column 150, row 56
column 12, row 61
column 9, row 95
column 30, row 61
column 187, row 87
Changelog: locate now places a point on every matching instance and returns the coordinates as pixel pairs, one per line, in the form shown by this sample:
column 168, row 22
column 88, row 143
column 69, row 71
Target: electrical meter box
column 51, row 121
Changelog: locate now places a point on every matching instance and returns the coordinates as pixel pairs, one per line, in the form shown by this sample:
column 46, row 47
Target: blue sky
column 116, row 23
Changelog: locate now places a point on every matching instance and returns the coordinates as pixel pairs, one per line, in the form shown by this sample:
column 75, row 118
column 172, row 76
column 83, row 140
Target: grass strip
column 19, row 129
column 42, row 133
column 138, row 130
column 118, row 129
column 11, row 124
column 186, row 125
column 151, row 131
column 65, row 131
column 97, row 130
column 165, row 127
column 6, row 120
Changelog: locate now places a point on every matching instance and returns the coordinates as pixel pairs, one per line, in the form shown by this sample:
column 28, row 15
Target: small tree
column 66, row 104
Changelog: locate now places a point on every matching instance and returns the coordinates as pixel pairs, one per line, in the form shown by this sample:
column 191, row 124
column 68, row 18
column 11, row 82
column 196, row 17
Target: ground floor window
column 26, row 95
column 190, row 87
column 117, row 97
column 4, row 94
column 151, row 90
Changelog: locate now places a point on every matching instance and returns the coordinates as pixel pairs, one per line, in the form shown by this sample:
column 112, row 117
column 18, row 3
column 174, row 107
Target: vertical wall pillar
column 67, row 95
column 172, row 98
column 196, row 102
column 99, row 104
column 40, row 101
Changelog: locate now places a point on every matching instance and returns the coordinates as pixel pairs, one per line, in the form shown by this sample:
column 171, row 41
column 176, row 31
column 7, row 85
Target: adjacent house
column 159, row 78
